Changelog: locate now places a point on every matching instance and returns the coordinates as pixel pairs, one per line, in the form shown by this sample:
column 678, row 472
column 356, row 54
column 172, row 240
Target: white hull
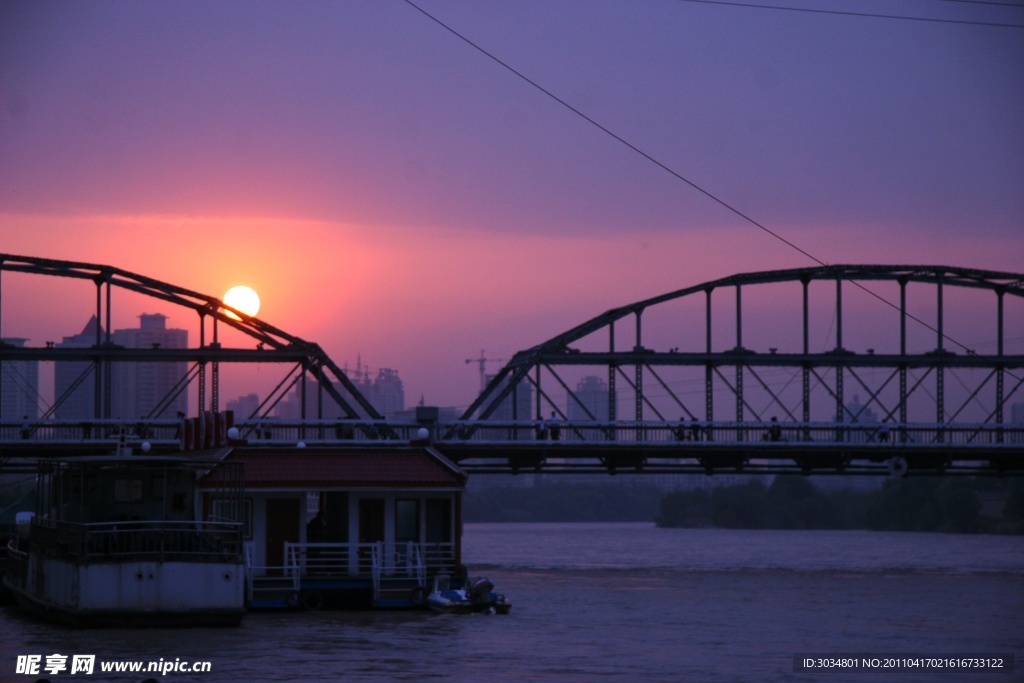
column 132, row 592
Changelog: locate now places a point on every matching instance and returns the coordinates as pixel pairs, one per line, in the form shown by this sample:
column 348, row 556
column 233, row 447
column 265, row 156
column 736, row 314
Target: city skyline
column 65, row 389
column 386, row 187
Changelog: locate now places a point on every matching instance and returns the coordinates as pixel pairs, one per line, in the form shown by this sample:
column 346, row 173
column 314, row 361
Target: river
column 630, row 602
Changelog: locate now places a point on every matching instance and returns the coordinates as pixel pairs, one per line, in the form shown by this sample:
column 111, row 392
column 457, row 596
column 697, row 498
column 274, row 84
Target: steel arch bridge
column 817, row 340
column 270, row 345
column 765, row 372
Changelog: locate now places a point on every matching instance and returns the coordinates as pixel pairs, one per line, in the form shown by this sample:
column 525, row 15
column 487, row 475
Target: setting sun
column 243, row 299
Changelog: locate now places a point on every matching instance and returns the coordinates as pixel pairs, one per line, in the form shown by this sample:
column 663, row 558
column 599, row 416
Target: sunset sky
column 392, row 192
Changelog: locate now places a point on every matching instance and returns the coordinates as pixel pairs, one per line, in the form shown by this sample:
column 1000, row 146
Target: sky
column 398, row 196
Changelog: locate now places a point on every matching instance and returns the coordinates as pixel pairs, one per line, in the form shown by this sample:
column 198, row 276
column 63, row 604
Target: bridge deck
column 587, row 447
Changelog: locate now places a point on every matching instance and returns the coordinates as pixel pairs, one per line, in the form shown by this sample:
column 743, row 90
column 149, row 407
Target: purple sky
column 390, row 191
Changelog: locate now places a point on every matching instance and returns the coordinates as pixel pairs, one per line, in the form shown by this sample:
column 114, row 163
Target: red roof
column 322, row 468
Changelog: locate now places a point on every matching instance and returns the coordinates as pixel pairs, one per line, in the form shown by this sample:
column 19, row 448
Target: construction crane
column 482, row 360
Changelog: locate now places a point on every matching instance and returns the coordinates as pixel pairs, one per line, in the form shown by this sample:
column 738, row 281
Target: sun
column 245, row 299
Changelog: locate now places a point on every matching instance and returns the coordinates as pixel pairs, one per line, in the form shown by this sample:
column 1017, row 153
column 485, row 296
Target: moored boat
column 475, row 595
column 119, row 541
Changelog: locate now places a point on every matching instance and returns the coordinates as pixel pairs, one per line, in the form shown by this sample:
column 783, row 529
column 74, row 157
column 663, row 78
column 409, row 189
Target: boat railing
column 375, row 553
column 247, row 554
column 141, row 539
column 409, row 559
column 273, row 583
column 378, row 561
column 415, row 560
column 16, row 564
column 439, row 558
column 319, row 559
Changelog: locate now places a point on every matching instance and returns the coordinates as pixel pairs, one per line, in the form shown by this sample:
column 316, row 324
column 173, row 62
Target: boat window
column 227, row 510
column 439, row 520
column 128, row 491
column 407, row 520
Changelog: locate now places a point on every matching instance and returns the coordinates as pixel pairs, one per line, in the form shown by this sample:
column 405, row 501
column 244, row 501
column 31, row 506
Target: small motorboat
column 476, row 595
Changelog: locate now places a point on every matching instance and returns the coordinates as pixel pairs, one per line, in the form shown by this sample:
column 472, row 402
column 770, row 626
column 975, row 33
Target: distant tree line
column 947, row 504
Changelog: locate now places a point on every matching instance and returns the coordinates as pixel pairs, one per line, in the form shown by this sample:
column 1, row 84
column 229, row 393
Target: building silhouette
column 385, row 392
column 388, row 393
column 19, row 386
column 591, row 402
column 244, row 406
column 141, row 390
column 74, row 382
column 516, row 406
column 137, row 389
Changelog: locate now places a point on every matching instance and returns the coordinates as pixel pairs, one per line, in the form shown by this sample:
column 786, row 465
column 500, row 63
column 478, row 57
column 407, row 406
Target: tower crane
column 482, row 360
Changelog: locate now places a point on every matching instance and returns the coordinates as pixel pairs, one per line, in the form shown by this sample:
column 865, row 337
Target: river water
column 628, row 602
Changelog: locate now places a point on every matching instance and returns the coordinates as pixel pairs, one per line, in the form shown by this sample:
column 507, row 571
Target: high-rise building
column 521, row 399
column 591, row 402
column 319, row 404
column 74, row 382
column 137, row 389
column 385, row 393
column 144, row 389
column 19, row 386
column 244, row 406
column 388, row 394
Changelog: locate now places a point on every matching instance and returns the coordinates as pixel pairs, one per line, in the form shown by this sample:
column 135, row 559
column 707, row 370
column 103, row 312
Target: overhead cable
column 668, row 169
column 870, row 15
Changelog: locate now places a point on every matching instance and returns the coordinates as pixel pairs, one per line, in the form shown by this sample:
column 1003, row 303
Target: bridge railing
column 328, row 431
column 97, row 432
column 105, row 434
column 882, row 434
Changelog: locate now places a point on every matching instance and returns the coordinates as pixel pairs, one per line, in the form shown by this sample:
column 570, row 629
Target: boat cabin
column 116, row 540
column 345, row 527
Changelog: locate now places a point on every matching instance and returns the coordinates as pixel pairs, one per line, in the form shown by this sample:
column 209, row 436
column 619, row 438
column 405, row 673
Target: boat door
column 371, row 528
column 282, row 526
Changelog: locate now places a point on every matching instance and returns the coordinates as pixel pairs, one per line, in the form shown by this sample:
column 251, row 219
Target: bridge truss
column 851, row 369
column 891, row 351
column 269, row 345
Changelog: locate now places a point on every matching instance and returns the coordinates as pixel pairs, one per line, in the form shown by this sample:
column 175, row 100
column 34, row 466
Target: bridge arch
column 832, row 343
column 269, row 344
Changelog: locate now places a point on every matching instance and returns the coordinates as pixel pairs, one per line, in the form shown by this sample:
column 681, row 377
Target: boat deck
column 348, row 576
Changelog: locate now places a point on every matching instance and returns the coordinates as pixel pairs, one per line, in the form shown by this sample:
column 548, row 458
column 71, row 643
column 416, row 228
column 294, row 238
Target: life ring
column 312, row 600
column 418, row 596
column 898, row 467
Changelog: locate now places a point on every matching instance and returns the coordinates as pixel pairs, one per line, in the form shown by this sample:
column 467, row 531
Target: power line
column 1016, row 5
column 669, row 170
column 615, row 136
column 870, row 15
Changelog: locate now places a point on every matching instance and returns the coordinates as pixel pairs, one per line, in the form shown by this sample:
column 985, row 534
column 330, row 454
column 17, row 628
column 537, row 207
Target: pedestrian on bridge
column 542, row 430
column 680, row 431
column 555, row 429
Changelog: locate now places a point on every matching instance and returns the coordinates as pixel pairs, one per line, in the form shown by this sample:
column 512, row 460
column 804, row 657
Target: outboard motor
column 480, row 590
